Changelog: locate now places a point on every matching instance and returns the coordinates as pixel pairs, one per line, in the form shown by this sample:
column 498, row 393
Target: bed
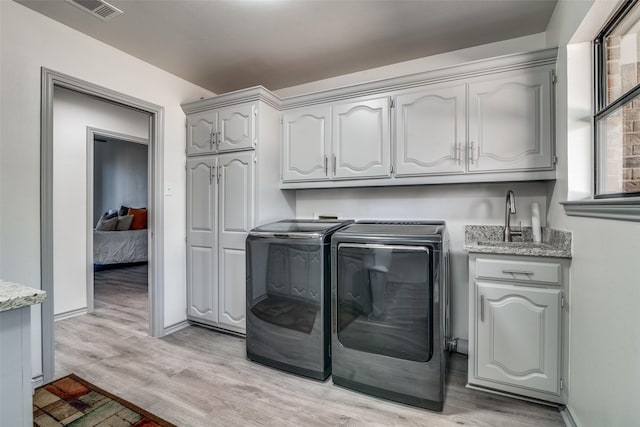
column 117, row 247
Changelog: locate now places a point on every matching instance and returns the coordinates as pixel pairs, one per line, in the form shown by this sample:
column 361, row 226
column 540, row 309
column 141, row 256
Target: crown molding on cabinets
column 440, row 75
column 256, row 93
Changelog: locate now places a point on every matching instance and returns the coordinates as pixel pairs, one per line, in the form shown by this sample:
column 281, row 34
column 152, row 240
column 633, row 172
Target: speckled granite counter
column 487, row 239
column 13, row 296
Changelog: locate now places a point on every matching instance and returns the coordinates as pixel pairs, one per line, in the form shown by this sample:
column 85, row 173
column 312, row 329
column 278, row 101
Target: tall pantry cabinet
column 233, row 179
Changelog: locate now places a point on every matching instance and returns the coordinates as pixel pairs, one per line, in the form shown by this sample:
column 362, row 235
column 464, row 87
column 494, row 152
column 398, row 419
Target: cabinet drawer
column 521, row 271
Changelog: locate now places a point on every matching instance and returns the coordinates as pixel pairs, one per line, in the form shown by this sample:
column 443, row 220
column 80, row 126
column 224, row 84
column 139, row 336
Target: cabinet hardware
column 470, row 154
column 482, row 308
column 326, row 165
column 211, row 175
column 217, row 139
column 561, row 384
column 392, row 171
column 562, row 301
column 528, row 273
column 218, row 175
column 334, row 164
column 457, row 156
column 211, row 136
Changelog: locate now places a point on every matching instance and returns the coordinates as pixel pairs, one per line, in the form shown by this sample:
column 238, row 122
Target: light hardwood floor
column 197, row 377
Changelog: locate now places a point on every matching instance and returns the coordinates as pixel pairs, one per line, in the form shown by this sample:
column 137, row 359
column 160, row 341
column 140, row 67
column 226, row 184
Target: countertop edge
column 14, row 296
column 496, row 250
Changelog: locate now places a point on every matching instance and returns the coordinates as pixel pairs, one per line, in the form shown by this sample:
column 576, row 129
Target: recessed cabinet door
column 361, row 139
column 235, row 220
column 237, row 127
column 510, row 122
column 305, row 140
column 202, row 292
column 430, row 131
column 518, row 336
column 201, row 133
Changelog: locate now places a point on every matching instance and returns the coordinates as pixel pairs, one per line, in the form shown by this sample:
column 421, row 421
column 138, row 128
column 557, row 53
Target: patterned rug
column 72, row 401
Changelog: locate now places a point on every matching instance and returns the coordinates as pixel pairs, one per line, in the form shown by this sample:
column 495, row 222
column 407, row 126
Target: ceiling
column 224, row 45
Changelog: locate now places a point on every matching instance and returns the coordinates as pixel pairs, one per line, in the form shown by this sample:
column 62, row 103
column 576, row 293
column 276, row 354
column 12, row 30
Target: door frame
column 49, row 80
column 92, row 133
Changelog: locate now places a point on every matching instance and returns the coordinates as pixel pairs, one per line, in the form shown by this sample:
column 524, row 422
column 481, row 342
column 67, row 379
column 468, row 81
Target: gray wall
column 119, row 176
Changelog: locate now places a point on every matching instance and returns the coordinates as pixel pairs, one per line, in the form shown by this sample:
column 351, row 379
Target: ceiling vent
column 98, row 8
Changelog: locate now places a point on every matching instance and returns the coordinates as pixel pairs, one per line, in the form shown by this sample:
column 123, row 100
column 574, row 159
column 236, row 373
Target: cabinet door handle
column 211, row 137
column 217, row 139
column 482, row 308
column 458, row 151
column 219, row 174
column 211, row 172
column 334, row 164
column 528, row 273
column 470, row 154
column 326, row 165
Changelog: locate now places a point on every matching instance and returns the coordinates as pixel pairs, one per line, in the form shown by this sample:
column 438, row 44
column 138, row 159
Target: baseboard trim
column 70, row 314
column 567, row 417
column 37, row 381
column 175, row 328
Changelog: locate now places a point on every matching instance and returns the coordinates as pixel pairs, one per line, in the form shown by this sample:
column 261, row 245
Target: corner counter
column 16, row 390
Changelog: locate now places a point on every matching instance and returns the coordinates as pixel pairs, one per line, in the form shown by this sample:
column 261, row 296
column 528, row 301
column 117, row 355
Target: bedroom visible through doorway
column 119, row 277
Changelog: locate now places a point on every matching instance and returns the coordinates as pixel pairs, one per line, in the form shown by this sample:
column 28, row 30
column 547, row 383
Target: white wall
column 604, row 351
column 29, row 41
column 458, row 205
column 119, row 176
column 72, row 114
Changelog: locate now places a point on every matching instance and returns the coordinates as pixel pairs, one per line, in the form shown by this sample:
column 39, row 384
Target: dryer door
column 385, row 299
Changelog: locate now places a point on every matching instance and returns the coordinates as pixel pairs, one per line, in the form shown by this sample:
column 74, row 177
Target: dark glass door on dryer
column 384, row 296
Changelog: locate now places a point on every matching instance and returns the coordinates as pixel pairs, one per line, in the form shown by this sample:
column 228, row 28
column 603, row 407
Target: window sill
column 617, row 209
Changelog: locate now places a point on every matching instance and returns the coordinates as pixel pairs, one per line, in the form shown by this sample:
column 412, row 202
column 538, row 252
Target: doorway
column 50, row 81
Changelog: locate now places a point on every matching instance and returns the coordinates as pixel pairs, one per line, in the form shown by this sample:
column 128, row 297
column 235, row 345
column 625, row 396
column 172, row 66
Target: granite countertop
column 487, row 239
column 14, row 295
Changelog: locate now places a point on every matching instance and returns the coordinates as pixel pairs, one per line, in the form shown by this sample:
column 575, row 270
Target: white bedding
column 115, row 247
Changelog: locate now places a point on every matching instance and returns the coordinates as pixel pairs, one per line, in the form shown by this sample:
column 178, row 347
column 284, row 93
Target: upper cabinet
column 510, row 122
column 485, row 121
column 226, row 129
column 430, row 131
column 201, row 132
column 306, row 143
column 361, row 141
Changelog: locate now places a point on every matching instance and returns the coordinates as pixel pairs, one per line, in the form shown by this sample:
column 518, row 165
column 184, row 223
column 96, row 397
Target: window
column 617, row 105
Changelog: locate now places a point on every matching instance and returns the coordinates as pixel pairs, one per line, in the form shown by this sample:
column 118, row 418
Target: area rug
column 72, row 401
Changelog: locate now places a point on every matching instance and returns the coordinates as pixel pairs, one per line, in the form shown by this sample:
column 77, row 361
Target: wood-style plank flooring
column 197, row 377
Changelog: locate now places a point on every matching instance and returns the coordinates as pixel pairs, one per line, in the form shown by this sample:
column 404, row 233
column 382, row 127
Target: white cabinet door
column 202, row 292
column 306, row 137
column 361, row 139
column 201, row 132
column 510, row 122
column 518, row 336
column 235, row 220
column 237, row 127
column 431, row 131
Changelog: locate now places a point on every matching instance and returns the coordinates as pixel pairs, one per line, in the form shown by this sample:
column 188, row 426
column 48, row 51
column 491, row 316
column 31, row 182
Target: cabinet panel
column 361, row 139
column 233, row 289
column 237, row 127
column 305, row 144
column 510, row 122
column 431, row 131
column 236, row 219
column 202, row 299
column 201, row 129
column 518, row 336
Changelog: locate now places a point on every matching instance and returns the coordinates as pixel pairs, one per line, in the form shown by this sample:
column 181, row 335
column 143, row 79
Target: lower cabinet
column 220, row 198
column 517, row 324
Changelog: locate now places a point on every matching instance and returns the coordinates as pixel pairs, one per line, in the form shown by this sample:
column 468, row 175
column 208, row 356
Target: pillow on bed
column 124, row 222
column 124, row 210
column 106, row 216
column 139, row 218
column 107, row 224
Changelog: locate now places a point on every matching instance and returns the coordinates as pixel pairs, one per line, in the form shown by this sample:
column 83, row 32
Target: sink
column 531, row 245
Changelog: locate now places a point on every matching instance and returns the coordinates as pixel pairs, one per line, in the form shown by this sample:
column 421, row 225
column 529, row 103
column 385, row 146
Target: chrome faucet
column 510, row 208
